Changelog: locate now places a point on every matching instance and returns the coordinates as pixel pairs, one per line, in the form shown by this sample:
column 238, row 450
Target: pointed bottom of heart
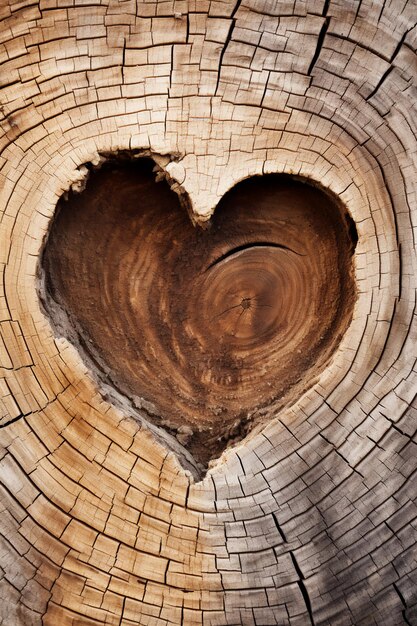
column 209, row 332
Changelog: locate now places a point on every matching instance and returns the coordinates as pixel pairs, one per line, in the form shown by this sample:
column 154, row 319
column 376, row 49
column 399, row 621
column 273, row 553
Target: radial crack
column 248, row 246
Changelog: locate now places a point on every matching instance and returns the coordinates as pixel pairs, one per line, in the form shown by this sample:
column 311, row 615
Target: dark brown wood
column 211, row 325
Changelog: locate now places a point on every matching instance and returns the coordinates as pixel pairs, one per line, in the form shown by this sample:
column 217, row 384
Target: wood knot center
column 206, row 326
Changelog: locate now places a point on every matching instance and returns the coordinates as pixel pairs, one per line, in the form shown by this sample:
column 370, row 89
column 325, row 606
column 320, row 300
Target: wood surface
column 203, row 327
column 312, row 517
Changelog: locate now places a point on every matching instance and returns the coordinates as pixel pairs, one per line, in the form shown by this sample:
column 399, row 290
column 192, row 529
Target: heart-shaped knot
column 208, row 326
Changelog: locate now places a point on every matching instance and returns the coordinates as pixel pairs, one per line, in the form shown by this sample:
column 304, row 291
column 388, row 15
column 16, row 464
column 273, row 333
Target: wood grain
column 311, row 519
column 202, row 326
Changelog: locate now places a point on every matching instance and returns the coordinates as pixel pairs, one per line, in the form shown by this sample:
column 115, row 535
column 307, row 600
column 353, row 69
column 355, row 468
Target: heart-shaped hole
column 214, row 329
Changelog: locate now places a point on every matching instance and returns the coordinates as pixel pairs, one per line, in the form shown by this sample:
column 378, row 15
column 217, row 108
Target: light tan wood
column 310, row 519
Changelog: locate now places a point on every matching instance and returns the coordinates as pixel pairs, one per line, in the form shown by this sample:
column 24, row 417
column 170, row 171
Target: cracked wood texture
column 311, row 520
